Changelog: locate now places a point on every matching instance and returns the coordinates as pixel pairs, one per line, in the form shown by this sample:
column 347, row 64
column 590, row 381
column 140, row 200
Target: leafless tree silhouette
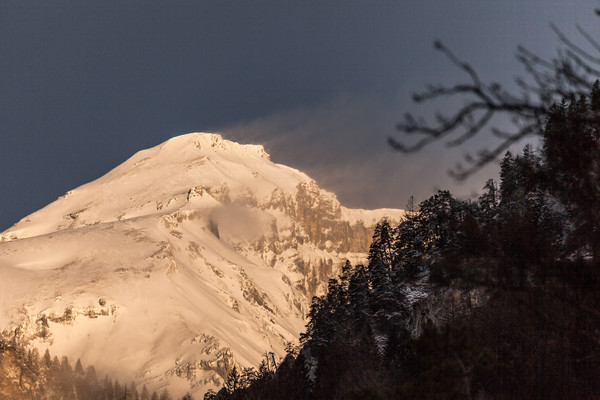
column 568, row 75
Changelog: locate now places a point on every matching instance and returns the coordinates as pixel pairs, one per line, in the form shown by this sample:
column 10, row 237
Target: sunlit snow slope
column 190, row 257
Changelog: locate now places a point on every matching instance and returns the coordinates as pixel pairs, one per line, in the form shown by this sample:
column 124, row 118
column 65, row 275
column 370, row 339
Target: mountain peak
column 157, row 180
column 207, row 143
column 189, row 258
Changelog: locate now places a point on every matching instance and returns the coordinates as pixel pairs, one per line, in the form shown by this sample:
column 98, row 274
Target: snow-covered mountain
column 186, row 259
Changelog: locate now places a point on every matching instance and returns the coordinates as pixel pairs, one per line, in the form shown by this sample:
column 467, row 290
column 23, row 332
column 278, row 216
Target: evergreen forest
column 24, row 375
column 493, row 298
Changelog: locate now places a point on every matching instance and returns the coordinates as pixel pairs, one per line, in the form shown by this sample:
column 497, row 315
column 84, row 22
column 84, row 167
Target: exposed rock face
column 187, row 259
column 321, row 216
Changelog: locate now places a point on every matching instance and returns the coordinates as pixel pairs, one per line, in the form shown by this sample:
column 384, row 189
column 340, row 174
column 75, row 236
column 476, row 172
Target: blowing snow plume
column 324, row 141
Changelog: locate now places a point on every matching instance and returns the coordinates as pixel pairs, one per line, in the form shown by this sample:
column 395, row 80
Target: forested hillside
column 24, row 375
column 496, row 298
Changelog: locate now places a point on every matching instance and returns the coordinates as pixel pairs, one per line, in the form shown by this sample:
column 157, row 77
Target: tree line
column 25, row 375
column 492, row 298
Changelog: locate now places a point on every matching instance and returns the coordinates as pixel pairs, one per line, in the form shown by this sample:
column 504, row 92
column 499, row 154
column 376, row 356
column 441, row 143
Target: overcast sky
column 85, row 84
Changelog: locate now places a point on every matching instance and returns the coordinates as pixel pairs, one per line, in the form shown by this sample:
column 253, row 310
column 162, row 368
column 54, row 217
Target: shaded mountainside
column 188, row 259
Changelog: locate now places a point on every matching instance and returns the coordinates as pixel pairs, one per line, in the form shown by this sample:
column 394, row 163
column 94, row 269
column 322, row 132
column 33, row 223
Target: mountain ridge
column 190, row 257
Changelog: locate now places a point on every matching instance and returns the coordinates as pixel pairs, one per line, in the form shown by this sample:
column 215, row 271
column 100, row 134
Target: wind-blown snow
column 189, row 257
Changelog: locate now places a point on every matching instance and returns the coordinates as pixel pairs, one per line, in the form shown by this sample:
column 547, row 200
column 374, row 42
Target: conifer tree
column 47, row 359
column 79, row 368
column 165, row 395
column 489, row 200
column 572, row 159
column 408, row 245
column 381, row 250
column 233, row 380
column 145, row 394
column 358, row 295
column 508, row 180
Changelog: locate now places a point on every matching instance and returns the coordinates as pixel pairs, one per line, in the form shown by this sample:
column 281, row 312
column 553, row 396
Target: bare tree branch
column 569, row 74
column 573, row 47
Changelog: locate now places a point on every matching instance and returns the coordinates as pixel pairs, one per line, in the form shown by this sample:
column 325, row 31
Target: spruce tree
column 381, row 250
column 572, row 156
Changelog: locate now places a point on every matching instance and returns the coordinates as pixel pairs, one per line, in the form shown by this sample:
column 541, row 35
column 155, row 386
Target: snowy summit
column 187, row 259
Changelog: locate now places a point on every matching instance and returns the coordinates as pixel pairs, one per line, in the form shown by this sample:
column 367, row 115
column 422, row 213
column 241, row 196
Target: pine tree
column 118, row 391
column 165, row 395
column 47, row 361
column 90, row 374
column 233, row 382
column 79, row 368
column 145, row 395
column 508, row 181
column 408, row 246
column 440, row 218
column 381, row 298
column 381, row 250
column 65, row 365
column 132, row 393
column 572, row 156
column 489, row 200
column 358, row 296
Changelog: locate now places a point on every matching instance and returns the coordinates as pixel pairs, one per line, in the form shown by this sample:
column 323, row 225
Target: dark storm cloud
column 84, row 85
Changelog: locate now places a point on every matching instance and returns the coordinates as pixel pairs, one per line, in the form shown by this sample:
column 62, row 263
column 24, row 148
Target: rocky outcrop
column 212, row 370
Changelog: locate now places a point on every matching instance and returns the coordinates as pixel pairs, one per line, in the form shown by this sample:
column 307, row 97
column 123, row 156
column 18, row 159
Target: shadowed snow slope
column 188, row 258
